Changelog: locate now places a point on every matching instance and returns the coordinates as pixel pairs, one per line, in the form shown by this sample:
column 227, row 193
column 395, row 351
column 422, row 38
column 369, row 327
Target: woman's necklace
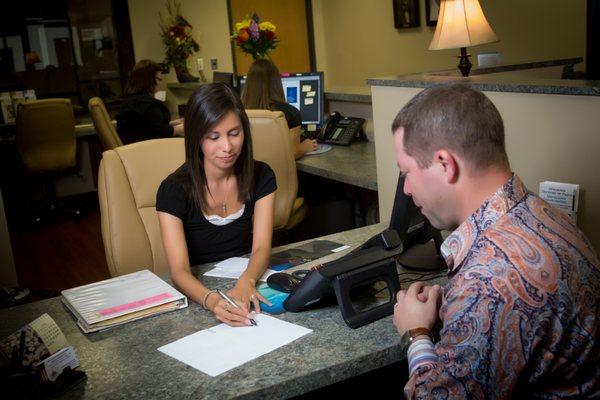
column 224, row 202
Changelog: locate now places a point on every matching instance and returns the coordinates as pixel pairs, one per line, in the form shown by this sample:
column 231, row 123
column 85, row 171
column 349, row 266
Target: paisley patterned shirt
column 521, row 308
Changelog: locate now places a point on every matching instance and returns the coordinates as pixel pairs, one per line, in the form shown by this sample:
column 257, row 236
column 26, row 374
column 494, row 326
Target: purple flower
column 254, row 34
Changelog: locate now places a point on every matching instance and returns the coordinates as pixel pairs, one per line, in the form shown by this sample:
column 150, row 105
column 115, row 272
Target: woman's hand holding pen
column 245, row 292
column 228, row 314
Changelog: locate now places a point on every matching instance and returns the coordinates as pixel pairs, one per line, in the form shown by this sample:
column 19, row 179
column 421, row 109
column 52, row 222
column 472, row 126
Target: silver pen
column 233, row 303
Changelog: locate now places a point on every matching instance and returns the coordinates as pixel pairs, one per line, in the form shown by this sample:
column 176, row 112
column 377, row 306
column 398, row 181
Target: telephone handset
column 341, row 130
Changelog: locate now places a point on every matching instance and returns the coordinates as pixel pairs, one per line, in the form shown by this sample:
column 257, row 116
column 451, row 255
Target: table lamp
column 31, row 58
column 461, row 23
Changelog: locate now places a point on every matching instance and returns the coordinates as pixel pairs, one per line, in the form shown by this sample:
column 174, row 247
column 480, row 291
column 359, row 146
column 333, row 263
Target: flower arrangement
column 177, row 38
column 255, row 37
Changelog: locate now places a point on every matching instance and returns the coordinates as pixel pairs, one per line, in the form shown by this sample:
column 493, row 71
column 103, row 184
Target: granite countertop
column 124, row 362
column 487, row 81
column 354, row 164
column 516, row 67
column 353, row 94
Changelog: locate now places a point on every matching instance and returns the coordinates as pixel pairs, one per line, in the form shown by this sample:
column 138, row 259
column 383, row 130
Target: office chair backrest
column 103, row 124
column 271, row 143
column 128, row 180
column 46, row 135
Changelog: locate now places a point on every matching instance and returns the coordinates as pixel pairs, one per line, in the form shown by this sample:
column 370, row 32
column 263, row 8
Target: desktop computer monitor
column 226, row 78
column 303, row 90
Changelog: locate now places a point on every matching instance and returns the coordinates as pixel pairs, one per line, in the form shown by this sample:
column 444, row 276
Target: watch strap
column 413, row 333
column 409, row 336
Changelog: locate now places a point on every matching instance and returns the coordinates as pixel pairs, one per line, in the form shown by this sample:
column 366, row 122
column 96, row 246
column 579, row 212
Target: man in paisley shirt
column 521, row 308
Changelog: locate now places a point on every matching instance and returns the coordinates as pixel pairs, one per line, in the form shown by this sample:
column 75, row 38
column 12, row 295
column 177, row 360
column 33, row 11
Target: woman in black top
column 219, row 203
column 141, row 116
column 263, row 90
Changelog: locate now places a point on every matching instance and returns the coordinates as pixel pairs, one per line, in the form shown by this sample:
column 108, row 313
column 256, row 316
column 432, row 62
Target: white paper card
column 221, row 348
column 233, row 268
column 338, row 249
column 311, row 94
column 309, row 100
column 562, row 195
column 57, row 362
column 306, row 88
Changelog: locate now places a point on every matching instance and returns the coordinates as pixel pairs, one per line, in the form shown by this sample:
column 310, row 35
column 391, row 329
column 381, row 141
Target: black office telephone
column 341, row 130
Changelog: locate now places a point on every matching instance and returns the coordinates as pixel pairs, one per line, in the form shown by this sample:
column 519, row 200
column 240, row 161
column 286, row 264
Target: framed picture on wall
column 406, row 13
column 432, row 9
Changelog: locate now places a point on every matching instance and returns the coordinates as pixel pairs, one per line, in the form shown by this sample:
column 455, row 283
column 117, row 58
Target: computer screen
column 411, row 227
column 303, row 90
column 225, row 77
column 406, row 219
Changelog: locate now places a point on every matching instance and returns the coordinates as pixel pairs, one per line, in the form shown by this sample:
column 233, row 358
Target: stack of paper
column 116, row 301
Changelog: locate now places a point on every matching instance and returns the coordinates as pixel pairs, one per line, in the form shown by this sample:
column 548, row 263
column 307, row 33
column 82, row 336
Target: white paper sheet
column 221, row 348
column 321, row 148
column 233, row 268
column 161, row 95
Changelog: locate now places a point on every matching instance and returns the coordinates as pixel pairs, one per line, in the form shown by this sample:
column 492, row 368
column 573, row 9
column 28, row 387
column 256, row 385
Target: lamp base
column 465, row 64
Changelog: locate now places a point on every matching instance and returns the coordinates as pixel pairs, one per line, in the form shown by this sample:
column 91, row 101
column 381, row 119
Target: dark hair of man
column 263, row 86
column 208, row 105
column 142, row 79
column 454, row 117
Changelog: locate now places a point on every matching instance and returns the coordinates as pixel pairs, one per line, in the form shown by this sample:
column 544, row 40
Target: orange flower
column 244, row 35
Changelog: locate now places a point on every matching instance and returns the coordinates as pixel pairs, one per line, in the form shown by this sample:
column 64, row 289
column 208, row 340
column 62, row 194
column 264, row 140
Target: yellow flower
column 266, row 26
column 241, row 25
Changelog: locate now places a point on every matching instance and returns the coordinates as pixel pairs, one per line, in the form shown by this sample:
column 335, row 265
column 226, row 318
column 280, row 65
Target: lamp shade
column 461, row 23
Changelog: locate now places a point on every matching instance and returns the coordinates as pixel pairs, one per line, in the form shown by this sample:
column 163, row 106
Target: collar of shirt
column 457, row 245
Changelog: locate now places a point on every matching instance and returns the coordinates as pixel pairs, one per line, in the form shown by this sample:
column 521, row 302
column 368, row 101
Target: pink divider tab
column 135, row 304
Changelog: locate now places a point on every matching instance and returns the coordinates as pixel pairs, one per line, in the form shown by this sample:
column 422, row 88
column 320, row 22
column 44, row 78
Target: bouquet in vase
column 179, row 43
column 255, row 37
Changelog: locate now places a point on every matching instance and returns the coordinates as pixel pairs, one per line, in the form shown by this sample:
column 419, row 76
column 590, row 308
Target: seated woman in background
column 141, row 116
column 263, row 90
column 218, row 204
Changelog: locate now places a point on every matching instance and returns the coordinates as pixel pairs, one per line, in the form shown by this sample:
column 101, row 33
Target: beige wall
column 356, row 40
column 211, row 30
column 555, row 139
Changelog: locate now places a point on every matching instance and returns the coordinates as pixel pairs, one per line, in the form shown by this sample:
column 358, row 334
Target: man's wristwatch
column 410, row 335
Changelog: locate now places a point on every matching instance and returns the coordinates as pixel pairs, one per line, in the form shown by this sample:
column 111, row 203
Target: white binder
column 119, row 300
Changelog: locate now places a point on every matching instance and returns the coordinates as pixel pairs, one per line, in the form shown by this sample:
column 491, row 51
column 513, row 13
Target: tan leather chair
column 103, row 124
column 271, row 143
column 128, row 180
column 46, row 142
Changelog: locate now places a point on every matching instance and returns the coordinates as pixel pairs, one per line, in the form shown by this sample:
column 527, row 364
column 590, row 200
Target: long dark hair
column 205, row 108
column 142, row 79
column 263, row 86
